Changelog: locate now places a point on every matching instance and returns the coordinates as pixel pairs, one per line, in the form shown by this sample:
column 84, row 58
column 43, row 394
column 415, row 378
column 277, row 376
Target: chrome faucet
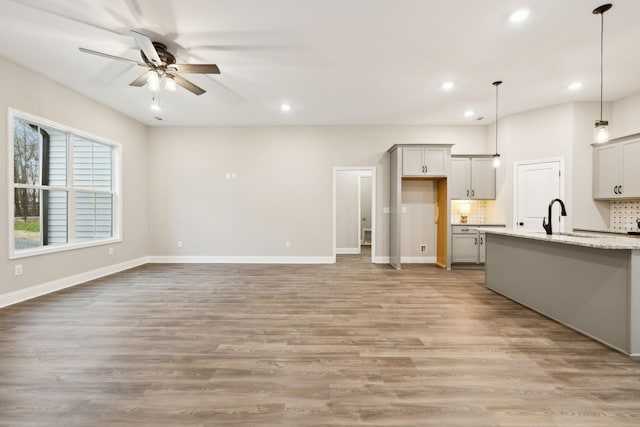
column 563, row 212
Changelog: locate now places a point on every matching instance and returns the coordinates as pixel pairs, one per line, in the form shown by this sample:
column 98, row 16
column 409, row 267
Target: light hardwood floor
column 345, row 344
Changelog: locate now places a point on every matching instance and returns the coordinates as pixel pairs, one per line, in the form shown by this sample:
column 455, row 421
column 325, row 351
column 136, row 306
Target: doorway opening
column 354, row 212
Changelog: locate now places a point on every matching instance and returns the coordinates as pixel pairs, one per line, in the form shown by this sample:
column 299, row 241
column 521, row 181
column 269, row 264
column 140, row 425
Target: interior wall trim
column 345, row 251
column 418, row 259
column 20, row 295
column 241, row 259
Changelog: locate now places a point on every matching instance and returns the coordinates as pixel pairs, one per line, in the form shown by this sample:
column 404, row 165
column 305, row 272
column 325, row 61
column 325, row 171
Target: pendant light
column 601, row 131
column 496, row 157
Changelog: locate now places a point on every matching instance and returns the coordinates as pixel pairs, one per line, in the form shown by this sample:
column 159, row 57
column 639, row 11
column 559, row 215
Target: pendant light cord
column 601, row 60
column 496, row 84
column 496, row 119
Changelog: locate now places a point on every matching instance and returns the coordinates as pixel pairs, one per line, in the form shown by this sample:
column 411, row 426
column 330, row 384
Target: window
column 64, row 193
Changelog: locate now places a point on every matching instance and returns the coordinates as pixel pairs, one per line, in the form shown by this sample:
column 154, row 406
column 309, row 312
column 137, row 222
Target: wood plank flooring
column 295, row 345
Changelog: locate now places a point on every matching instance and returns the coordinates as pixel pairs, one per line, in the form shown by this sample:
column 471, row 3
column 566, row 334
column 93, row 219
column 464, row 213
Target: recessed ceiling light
column 285, row 107
column 447, row 85
column 574, row 86
column 469, row 113
column 519, row 15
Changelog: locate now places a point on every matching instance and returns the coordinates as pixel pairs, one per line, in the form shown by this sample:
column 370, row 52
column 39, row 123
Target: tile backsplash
column 477, row 211
column 624, row 214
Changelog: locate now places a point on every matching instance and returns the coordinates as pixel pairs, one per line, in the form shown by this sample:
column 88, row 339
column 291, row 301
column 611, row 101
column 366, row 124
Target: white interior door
column 536, row 185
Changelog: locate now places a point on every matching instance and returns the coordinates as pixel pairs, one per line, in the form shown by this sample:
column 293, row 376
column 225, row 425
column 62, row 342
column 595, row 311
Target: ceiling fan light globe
column 153, row 81
column 170, row 84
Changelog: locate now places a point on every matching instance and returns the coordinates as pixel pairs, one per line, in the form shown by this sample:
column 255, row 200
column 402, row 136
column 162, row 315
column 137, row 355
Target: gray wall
column 28, row 92
column 284, row 185
column 365, row 203
column 418, row 223
column 347, row 210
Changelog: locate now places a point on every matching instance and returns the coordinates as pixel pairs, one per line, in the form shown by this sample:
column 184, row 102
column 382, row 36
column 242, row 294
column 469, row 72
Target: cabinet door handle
column 426, row 168
column 482, row 240
column 615, row 189
column 521, row 224
column 619, row 189
column 475, row 241
column 473, row 193
column 467, row 193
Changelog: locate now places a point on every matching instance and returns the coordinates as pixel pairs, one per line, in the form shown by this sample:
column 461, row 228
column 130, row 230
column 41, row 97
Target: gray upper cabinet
column 616, row 174
column 424, row 161
column 472, row 178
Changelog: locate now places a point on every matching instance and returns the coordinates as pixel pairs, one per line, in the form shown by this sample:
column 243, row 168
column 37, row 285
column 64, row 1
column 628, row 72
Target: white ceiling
column 337, row 62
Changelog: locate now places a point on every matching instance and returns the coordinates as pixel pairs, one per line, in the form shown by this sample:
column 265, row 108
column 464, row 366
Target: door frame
column 516, row 164
column 371, row 169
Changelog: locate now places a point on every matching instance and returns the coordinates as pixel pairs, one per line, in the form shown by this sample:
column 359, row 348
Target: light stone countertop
column 590, row 240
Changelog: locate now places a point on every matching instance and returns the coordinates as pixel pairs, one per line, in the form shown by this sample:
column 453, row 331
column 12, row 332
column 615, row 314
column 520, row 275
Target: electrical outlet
column 18, row 270
column 287, row 244
column 179, row 243
column 110, row 251
column 423, row 248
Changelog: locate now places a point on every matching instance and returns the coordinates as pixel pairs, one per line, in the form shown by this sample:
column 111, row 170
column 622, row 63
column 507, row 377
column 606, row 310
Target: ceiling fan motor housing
column 166, row 57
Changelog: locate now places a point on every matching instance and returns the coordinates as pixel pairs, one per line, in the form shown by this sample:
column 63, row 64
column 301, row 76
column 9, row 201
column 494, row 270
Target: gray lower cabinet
column 467, row 245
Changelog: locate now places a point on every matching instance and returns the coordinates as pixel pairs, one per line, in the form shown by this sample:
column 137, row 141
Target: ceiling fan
column 161, row 64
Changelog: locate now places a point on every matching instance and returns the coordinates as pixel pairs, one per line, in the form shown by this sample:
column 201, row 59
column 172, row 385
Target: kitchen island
column 589, row 282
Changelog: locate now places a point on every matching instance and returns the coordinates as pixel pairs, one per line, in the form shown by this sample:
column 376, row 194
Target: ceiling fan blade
column 187, row 84
column 197, row 68
column 146, row 45
column 106, row 55
column 140, row 81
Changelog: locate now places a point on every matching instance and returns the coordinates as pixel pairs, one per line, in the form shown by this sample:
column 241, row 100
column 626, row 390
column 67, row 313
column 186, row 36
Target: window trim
column 116, row 159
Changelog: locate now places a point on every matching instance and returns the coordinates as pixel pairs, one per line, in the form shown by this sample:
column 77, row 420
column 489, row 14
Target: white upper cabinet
column 630, row 170
column 424, row 161
column 616, row 174
column 460, row 178
column 472, row 178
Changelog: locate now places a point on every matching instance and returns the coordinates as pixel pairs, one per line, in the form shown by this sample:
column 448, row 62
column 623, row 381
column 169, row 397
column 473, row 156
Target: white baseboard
column 241, row 259
column 381, row 260
column 346, row 251
column 66, row 282
column 418, row 260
